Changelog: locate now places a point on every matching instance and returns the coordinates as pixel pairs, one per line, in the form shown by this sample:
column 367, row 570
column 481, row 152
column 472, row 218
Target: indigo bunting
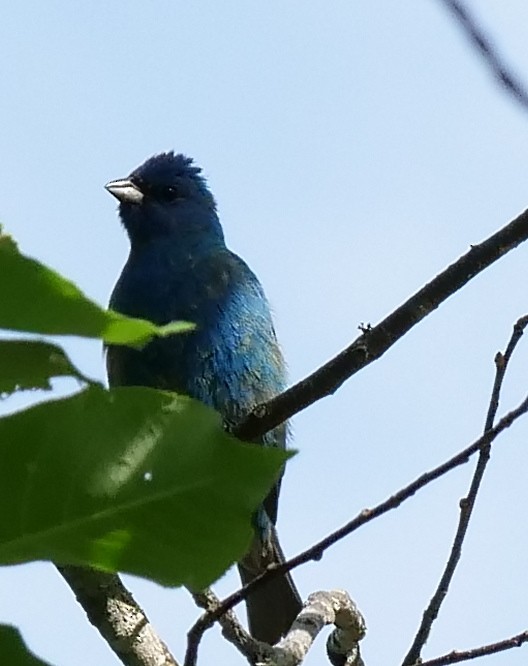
column 180, row 268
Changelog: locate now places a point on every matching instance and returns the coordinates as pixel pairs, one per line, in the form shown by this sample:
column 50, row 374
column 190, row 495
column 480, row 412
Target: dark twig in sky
column 501, row 364
column 316, row 551
column 374, row 342
column 488, row 52
column 467, row 503
column 464, row 655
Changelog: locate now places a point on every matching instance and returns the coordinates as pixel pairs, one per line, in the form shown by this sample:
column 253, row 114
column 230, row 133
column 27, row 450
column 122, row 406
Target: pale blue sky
column 355, row 149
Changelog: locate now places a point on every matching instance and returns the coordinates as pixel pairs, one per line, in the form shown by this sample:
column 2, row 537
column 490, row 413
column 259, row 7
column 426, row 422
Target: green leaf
column 13, row 650
column 36, row 299
column 30, row 364
column 130, row 479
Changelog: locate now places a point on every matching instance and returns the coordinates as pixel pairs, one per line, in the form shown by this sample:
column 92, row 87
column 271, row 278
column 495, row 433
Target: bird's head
column 167, row 196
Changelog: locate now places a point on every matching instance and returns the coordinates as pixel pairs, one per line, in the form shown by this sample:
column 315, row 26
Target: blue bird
column 180, row 268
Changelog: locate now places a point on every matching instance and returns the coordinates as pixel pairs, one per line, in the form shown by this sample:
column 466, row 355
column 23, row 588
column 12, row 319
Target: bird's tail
column 273, row 607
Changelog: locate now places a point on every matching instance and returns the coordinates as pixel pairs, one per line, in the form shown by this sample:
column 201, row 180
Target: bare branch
column 464, row 655
column 501, row 365
column 316, row 551
column 321, row 609
column 483, row 45
column 253, row 650
column 374, row 342
column 119, row 619
column 342, row 645
column 467, row 503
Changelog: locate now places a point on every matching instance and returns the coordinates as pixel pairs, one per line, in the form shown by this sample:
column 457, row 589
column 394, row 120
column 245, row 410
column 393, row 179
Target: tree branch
column 464, row 655
column 321, row 609
column 374, row 342
column 116, row 615
column 467, row 503
column 483, row 45
column 253, row 650
column 316, row 551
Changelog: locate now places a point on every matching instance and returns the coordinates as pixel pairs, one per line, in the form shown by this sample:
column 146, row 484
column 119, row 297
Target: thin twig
column 487, row 51
column 374, row 342
column 464, row 655
column 501, row 364
column 316, row 551
column 467, row 504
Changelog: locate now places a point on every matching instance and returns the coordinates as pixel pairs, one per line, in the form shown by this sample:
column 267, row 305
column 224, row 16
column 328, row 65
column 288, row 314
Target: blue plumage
column 180, row 268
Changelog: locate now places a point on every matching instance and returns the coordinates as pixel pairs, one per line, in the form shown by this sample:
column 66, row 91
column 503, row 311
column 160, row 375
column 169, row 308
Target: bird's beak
column 125, row 191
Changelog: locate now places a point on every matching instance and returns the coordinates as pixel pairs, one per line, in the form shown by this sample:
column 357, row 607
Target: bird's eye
column 170, row 193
